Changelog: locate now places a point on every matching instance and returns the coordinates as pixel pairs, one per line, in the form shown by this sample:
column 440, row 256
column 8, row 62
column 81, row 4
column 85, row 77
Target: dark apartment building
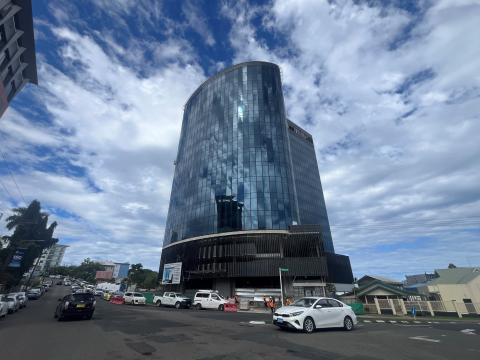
column 17, row 49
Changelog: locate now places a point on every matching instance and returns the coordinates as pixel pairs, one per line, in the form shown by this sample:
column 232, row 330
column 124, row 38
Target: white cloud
column 384, row 156
column 197, row 22
column 113, row 134
column 395, row 165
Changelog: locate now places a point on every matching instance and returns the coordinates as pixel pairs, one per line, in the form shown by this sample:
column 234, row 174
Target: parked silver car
column 34, row 294
column 3, row 306
column 21, row 297
column 13, row 303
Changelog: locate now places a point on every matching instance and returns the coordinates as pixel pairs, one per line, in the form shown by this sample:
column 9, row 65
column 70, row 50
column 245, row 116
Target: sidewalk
column 256, row 311
column 419, row 319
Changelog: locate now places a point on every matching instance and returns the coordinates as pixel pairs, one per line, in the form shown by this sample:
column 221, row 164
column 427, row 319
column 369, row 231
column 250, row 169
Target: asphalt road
column 130, row 332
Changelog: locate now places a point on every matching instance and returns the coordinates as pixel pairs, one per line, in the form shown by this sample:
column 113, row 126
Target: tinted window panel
column 83, row 297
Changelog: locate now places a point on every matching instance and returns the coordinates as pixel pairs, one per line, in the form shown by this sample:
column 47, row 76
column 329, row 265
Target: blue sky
column 389, row 89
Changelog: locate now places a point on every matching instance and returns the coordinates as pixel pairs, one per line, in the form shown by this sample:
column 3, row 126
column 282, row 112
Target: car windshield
column 82, row 297
column 304, row 302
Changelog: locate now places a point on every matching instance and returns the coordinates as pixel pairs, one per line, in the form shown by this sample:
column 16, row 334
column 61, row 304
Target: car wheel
column 177, row 305
column 220, row 307
column 308, row 325
column 348, row 323
column 158, row 303
column 198, row 306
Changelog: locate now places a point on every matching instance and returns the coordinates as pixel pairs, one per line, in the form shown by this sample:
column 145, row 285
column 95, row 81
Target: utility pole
column 281, row 285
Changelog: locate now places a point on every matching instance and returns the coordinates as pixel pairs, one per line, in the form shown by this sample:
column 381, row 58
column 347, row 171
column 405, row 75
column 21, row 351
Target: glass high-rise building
column 246, row 196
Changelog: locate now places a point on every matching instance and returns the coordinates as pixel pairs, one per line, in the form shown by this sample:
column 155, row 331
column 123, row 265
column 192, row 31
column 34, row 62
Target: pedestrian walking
column 271, row 304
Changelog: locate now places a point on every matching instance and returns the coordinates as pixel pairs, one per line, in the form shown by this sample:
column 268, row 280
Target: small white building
column 461, row 284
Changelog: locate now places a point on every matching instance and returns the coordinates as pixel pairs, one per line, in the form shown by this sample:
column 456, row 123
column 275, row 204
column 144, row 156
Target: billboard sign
column 172, row 273
column 17, row 258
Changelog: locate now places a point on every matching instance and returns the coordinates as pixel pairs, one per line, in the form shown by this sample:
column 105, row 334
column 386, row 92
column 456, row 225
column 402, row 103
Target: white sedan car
column 310, row 313
column 134, row 298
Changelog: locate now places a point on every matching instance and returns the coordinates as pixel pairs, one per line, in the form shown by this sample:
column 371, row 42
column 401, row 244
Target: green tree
column 85, row 271
column 135, row 274
column 32, row 233
column 143, row 278
column 150, row 281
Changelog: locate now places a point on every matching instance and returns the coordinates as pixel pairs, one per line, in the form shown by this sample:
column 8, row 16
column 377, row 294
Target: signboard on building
column 17, row 258
column 172, row 273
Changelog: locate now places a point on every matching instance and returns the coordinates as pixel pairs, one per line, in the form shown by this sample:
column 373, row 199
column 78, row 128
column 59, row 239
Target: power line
column 6, row 190
column 13, row 177
column 412, row 222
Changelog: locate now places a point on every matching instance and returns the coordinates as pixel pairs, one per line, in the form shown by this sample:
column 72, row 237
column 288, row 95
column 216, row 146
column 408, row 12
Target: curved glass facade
column 233, row 169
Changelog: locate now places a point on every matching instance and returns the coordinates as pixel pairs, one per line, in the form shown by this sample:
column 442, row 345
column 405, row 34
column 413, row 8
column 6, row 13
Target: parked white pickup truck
column 172, row 299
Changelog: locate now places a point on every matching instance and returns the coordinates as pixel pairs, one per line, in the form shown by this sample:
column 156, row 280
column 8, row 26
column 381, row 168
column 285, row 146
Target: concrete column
column 392, row 305
column 377, row 306
column 456, row 309
column 430, row 308
column 404, row 309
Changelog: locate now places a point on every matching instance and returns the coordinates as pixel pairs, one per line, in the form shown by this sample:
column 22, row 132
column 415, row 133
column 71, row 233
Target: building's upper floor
column 17, row 49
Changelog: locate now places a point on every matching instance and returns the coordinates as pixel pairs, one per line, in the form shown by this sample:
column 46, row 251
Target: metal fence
column 428, row 308
column 370, row 308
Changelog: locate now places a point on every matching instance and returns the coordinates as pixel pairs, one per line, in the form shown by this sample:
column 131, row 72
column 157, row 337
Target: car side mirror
column 318, row 306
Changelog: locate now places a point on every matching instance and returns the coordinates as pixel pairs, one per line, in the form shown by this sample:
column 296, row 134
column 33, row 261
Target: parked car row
column 203, row 299
column 306, row 314
column 12, row 302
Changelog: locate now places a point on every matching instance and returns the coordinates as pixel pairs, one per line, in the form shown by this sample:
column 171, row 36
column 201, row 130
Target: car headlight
column 296, row 313
column 66, row 303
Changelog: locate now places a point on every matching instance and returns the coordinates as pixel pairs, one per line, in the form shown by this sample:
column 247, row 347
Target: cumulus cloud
column 196, row 21
column 103, row 163
column 391, row 99
column 390, row 93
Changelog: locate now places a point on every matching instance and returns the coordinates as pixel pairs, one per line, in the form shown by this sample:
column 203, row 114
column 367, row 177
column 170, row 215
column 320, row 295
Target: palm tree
column 26, row 215
column 30, row 223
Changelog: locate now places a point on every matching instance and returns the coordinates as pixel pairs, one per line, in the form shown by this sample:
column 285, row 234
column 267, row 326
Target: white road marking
column 380, row 321
column 367, row 321
column 424, row 338
column 452, row 322
column 436, row 322
column 417, row 322
column 393, row 321
column 257, row 322
column 404, row 322
column 468, row 331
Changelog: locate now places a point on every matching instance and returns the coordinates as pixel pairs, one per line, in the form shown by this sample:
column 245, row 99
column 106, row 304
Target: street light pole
column 281, row 286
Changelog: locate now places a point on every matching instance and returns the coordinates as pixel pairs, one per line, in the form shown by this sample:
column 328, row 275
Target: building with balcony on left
column 51, row 257
column 17, row 49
